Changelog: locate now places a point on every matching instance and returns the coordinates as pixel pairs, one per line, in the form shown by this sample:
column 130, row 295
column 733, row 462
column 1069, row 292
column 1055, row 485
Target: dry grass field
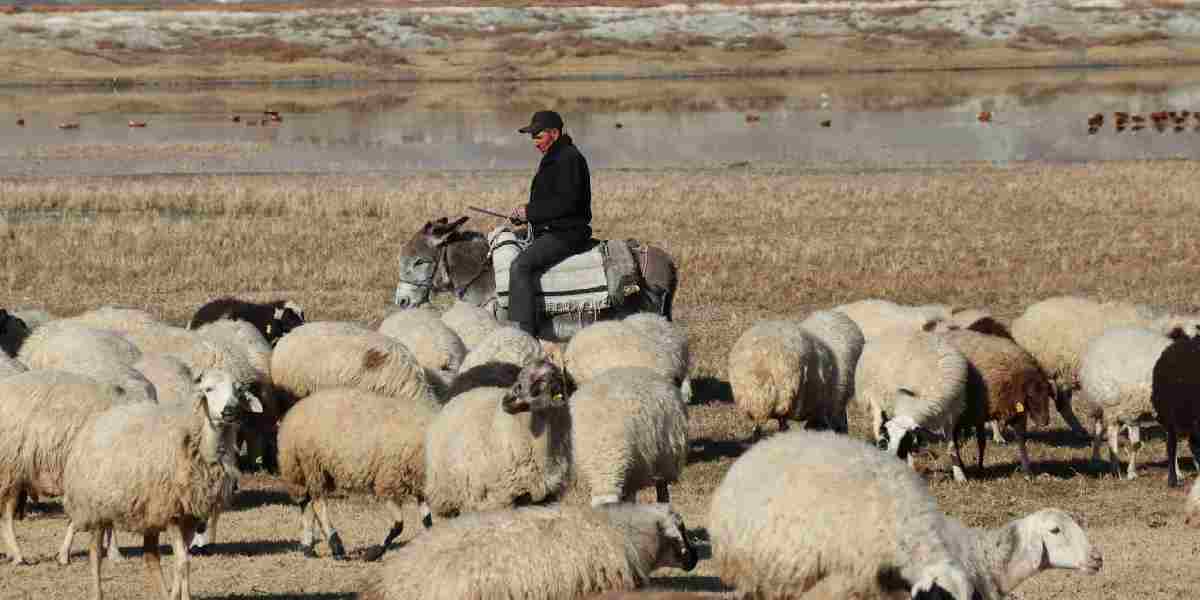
column 751, row 243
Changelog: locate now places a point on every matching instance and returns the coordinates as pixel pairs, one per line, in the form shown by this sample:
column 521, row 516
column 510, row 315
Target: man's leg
column 545, row 251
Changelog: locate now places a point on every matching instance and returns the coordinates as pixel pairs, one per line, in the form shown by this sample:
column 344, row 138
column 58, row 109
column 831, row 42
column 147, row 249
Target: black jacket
column 560, row 198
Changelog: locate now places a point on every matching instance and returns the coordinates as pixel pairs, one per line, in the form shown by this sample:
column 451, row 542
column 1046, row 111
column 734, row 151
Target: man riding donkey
column 559, row 214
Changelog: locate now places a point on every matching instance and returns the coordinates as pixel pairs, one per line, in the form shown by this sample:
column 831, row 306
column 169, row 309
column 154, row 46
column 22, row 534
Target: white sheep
column 471, row 323
column 320, row 355
column 40, row 414
column 106, row 369
column 647, row 340
column 780, row 371
column 436, row 347
column 912, row 384
column 629, row 431
column 816, row 514
column 1115, row 377
column 1057, row 331
column 845, row 340
column 55, row 342
column 492, row 447
column 384, row 456
column 504, row 344
column 537, row 553
column 118, row 319
column 149, row 469
column 170, row 376
column 877, row 318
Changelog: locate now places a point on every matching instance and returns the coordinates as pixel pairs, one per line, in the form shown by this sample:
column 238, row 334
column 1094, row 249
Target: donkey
column 441, row 257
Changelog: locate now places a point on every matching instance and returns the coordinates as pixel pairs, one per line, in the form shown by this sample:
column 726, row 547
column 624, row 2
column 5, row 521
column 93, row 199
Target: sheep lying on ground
column 1004, row 385
column 150, row 469
column 780, row 371
column 41, row 412
column 384, row 456
column 503, row 344
column 912, row 384
column 537, row 553
column 470, row 322
column 436, row 347
column 272, row 319
column 1057, row 331
column 629, row 431
column 1175, row 395
column 1116, row 375
column 645, row 340
column 493, row 448
column 320, row 355
column 781, row 527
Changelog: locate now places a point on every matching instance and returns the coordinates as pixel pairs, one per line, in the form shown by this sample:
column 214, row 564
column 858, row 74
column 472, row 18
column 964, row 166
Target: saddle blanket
column 595, row 279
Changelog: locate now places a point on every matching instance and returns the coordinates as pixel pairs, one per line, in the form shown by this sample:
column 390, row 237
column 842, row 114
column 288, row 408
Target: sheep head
column 1051, row 539
column 678, row 552
column 223, row 400
column 902, row 435
column 286, row 317
column 539, row 387
column 943, row 580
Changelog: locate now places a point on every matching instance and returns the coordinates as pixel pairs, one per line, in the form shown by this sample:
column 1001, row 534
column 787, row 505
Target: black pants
column 547, row 250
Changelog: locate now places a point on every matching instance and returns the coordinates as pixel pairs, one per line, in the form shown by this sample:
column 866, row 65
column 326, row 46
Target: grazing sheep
column 1192, row 508
column 383, row 456
column 629, row 430
column 321, row 355
column 149, row 469
column 537, row 553
column 778, row 370
column 1175, row 395
column 1004, row 385
column 494, row 448
column 171, row 378
column 845, row 340
column 504, row 344
column 912, row 384
column 40, row 414
column 1115, row 376
column 272, row 319
column 436, row 347
column 1057, row 331
column 782, row 525
column 58, row 341
column 471, row 323
column 649, row 341
column 877, row 318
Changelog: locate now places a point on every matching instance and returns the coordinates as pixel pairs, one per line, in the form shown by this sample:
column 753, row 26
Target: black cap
column 542, row 119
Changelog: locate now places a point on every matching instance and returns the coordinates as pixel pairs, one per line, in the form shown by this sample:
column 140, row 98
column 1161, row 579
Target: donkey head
column 419, row 259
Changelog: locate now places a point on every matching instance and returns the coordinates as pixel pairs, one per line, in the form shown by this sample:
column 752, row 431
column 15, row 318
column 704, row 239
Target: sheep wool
column 612, row 344
column 782, row 525
column 117, row 319
column 780, row 371
column 845, row 340
column 432, row 342
column 504, row 344
column 536, row 553
column 878, row 318
column 53, row 343
column 629, row 431
column 171, row 378
column 920, row 376
column 471, row 323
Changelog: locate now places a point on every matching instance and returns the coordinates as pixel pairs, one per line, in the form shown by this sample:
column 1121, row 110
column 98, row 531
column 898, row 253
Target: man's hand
column 518, row 214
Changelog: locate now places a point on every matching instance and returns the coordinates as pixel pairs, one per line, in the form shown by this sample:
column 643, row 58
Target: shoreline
column 409, row 42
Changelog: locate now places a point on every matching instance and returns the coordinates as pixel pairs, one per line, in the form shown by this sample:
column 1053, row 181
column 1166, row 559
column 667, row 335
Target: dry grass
column 751, row 243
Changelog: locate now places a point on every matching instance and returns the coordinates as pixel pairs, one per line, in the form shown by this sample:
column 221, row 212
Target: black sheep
column 273, row 319
column 1175, row 394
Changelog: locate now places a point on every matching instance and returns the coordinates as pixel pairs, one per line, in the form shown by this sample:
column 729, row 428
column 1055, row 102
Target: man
column 559, row 214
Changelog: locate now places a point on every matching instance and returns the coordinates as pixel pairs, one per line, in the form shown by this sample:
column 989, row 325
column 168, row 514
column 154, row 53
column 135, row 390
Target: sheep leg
column 95, row 560
column 151, row 558
column 321, row 508
column 374, row 554
column 64, row 553
column 200, row 542
column 308, row 517
column 783, row 424
column 997, row 434
column 1172, row 454
column 112, row 552
column 181, row 538
column 1097, row 440
column 1062, row 402
column 1114, row 447
column 1135, row 444
column 1019, row 426
column 426, row 514
column 980, row 446
column 662, row 491
column 1194, row 446
column 10, row 538
column 953, row 448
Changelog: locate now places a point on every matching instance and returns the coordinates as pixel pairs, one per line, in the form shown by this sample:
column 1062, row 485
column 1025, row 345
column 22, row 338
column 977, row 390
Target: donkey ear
column 459, row 222
column 428, row 228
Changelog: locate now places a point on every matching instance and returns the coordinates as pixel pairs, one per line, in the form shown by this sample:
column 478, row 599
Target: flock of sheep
column 140, row 426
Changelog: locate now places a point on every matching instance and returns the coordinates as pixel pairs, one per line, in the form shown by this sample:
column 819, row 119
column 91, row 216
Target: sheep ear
column 1177, row 333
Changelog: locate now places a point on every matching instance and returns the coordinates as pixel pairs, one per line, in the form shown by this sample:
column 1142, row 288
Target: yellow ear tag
column 557, row 397
column 1020, row 408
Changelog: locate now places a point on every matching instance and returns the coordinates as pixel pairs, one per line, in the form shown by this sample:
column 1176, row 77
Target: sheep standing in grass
column 41, row 412
column 781, row 527
column 1175, row 395
column 348, row 440
column 259, row 431
column 503, row 344
column 537, row 553
column 493, row 448
column 471, row 323
column 272, row 319
column 912, row 384
column 436, row 347
column 1116, row 375
column 629, row 431
column 150, row 469
column 845, row 341
column 317, row 356
column 1057, row 331
column 646, row 340
column 1004, row 385
column 780, row 371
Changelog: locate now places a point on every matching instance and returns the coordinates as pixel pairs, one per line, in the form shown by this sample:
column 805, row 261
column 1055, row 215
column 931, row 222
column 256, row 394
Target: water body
column 885, row 119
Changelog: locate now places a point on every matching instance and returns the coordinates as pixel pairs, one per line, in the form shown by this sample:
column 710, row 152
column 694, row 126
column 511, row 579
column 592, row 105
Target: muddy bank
column 408, row 41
